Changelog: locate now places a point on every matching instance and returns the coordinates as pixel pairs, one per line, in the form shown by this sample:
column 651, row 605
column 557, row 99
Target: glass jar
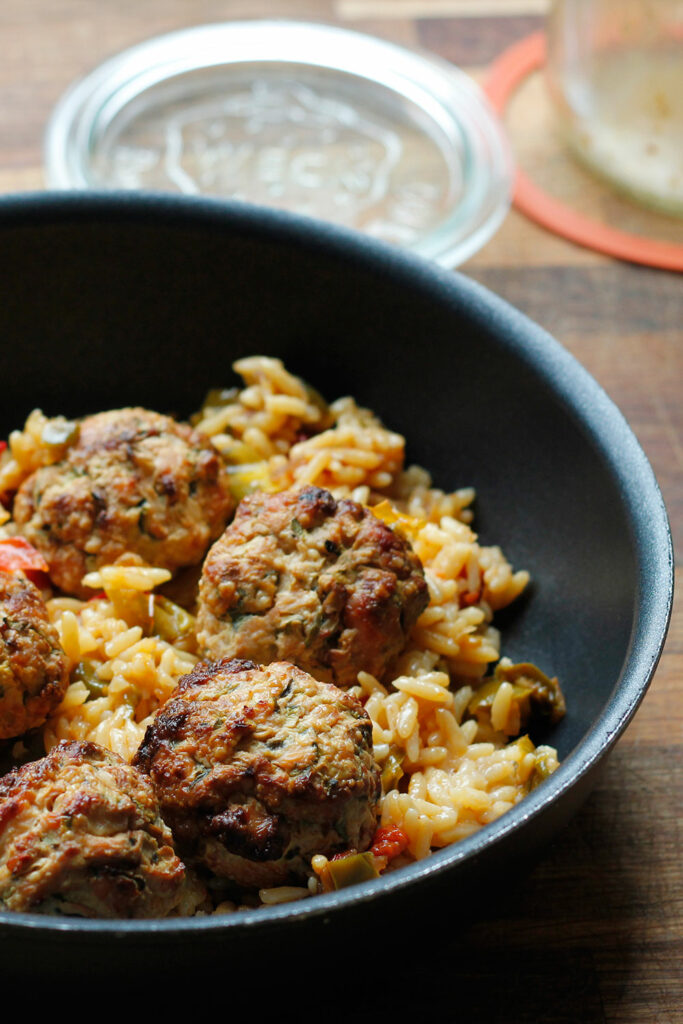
column 306, row 117
column 615, row 71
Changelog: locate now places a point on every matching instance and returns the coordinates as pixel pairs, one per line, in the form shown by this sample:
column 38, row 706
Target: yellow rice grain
column 438, row 642
column 345, row 476
column 69, row 636
column 412, row 747
column 431, row 756
column 257, row 439
column 407, row 718
column 469, row 731
column 506, row 793
column 216, row 424
column 369, row 684
column 500, row 709
column 477, row 750
column 498, row 807
column 126, row 577
column 461, row 699
column 469, row 797
column 76, row 694
column 451, row 733
column 309, row 473
column 460, row 831
column 496, row 772
column 57, row 605
column 125, row 639
column 282, row 894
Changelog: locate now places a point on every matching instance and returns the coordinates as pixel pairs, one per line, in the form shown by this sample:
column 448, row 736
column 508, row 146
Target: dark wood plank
column 612, row 300
column 472, row 41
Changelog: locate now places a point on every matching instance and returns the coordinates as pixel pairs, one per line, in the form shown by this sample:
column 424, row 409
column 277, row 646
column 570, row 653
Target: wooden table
column 595, row 933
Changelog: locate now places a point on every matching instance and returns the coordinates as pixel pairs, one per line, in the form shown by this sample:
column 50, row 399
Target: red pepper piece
column 17, row 555
column 389, row 842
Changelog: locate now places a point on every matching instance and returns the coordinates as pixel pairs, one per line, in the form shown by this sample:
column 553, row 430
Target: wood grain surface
column 595, row 931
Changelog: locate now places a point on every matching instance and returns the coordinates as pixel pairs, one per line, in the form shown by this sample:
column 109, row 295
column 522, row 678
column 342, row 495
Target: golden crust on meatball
column 81, row 834
column 34, row 672
column 258, row 768
column 300, row 577
column 134, row 481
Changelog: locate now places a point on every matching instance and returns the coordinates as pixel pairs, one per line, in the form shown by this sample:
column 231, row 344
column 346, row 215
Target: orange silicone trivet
column 506, row 74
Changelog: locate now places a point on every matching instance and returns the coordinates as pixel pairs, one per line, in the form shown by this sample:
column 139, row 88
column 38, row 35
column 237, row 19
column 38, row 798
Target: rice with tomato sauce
column 450, row 763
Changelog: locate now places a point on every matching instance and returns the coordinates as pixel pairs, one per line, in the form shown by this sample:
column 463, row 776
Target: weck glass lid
column 310, row 118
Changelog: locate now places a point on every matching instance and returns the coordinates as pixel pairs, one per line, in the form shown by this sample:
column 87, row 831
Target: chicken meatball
column 34, row 673
column 258, row 768
column 134, row 481
column 81, row 834
column 301, row 577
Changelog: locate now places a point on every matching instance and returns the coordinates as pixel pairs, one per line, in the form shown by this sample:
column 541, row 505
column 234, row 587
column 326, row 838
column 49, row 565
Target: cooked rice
column 42, row 442
column 136, row 674
column 357, row 452
column 265, row 417
column 446, row 775
column 456, row 783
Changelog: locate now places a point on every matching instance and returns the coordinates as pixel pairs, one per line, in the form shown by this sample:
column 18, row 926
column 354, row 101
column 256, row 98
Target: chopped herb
column 239, row 620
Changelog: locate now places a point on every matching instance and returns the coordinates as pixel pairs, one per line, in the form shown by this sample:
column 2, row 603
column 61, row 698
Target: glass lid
column 309, row 118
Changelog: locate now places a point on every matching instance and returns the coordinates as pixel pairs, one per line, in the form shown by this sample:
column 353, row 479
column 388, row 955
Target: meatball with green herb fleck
column 301, row 577
column 81, row 835
column 34, row 673
column 133, row 481
column 259, row 768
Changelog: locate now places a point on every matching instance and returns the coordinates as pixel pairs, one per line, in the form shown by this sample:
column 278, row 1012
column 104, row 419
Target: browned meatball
column 81, row 834
column 33, row 668
column 257, row 769
column 301, row 577
column 134, row 481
